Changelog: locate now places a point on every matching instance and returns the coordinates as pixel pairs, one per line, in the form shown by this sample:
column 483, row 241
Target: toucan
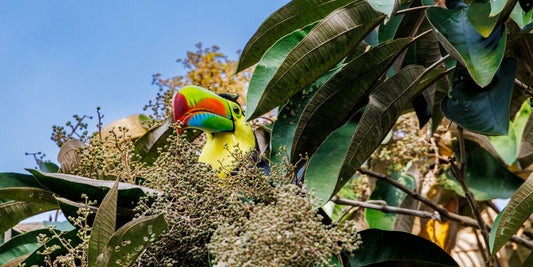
column 223, row 121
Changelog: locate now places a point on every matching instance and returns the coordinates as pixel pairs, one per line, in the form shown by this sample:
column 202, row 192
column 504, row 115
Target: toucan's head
column 199, row 108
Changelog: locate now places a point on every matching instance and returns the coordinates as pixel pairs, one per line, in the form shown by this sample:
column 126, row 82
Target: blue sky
column 59, row 58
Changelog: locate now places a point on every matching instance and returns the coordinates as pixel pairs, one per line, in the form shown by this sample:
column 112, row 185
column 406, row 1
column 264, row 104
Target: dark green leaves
column 20, row 246
column 335, row 36
column 333, row 165
column 290, row 17
column 342, row 95
column 380, row 246
column 483, row 110
column 481, row 56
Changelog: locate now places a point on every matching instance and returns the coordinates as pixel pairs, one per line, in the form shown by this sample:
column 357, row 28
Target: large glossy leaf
column 104, row 224
column 72, row 187
column 12, row 212
column 272, row 60
column 21, row 245
column 127, row 243
column 296, row 14
column 481, row 56
column 329, row 169
column 325, row 46
column 47, row 166
column 513, row 216
column 393, row 196
column 485, row 176
column 508, row 146
column 341, row 96
column 285, row 126
column 483, row 110
column 383, row 246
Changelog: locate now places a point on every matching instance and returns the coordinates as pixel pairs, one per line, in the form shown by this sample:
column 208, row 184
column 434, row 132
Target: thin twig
column 459, row 173
column 386, row 208
column 444, row 214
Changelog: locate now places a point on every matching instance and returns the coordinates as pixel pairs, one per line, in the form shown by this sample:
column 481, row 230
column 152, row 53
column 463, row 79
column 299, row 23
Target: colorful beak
column 199, row 108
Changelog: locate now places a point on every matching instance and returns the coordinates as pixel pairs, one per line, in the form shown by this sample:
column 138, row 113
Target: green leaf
column 528, row 261
column 483, row 110
column 127, row 243
column 72, row 187
column 28, row 194
column 21, row 245
column 285, row 126
column 272, row 60
column 387, row 7
column 37, row 259
column 341, row 96
column 11, row 179
column 12, row 212
column 393, row 196
column 331, row 166
column 146, row 147
column 379, row 246
column 325, row 46
column 285, row 20
column 47, row 166
column 508, row 146
column 485, row 176
column 513, row 216
column 520, row 17
column 481, row 56
column 480, row 17
column 496, row 6
column 104, row 224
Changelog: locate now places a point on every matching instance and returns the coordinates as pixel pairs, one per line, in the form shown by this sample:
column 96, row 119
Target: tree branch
column 459, row 173
column 444, row 214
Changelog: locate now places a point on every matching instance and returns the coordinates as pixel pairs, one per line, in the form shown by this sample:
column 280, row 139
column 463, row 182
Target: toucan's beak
column 199, row 108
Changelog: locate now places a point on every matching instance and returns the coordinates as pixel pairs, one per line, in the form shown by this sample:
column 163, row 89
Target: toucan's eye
column 237, row 110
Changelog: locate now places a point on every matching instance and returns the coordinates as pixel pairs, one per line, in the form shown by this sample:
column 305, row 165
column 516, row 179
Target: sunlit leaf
column 341, row 96
column 104, row 224
column 146, row 147
column 483, row 110
column 296, row 14
column 335, row 36
column 508, row 146
column 520, row 17
column 481, row 56
column 513, row 216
